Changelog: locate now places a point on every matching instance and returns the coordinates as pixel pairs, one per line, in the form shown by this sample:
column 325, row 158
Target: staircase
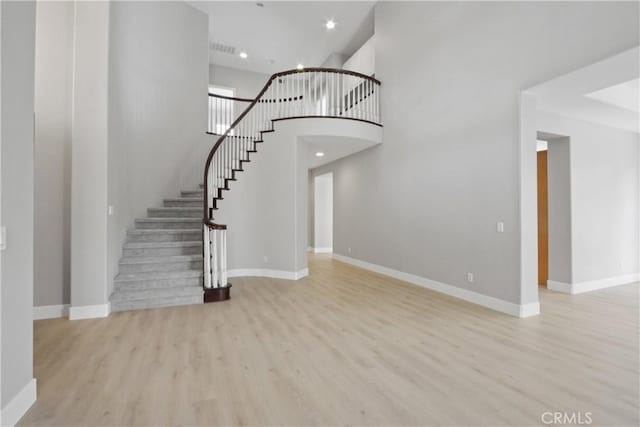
column 293, row 94
column 161, row 263
column 170, row 258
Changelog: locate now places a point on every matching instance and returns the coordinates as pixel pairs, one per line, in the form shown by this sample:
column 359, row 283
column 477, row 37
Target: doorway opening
column 543, row 213
column 323, row 213
column 554, row 208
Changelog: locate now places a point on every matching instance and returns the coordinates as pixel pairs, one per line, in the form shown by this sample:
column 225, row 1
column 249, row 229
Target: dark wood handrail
column 230, row 98
column 206, row 220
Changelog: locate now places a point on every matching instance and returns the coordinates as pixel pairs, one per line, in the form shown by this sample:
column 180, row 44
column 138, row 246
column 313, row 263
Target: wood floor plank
column 343, row 346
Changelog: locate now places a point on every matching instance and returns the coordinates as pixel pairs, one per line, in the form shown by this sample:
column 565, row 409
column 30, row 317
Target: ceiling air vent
column 223, row 48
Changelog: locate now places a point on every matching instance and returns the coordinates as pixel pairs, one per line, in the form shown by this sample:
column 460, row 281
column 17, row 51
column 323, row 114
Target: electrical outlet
column 500, row 227
column 470, row 277
column 3, row 238
column 266, row 259
column 111, row 210
column 349, row 250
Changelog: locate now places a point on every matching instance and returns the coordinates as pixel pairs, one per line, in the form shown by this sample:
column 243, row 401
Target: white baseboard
column 19, row 405
column 518, row 310
column 89, row 311
column 275, row 274
column 592, row 285
column 322, row 250
column 50, row 311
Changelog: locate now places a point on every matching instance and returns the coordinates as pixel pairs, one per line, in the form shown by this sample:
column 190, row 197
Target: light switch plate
column 3, row 238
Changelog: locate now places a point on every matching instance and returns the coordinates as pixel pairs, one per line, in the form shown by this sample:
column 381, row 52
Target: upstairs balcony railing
column 223, row 111
column 293, row 94
column 313, row 92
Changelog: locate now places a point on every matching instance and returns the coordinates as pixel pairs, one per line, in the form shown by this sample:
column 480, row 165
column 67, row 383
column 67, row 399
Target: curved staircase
column 293, row 94
column 165, row 255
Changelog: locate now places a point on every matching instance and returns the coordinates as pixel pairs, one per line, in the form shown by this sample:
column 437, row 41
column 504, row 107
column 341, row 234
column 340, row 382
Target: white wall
column 335, row 60
column 54, row 50
column 158, row 109
column 247, row 83
column 604, row 195
column 364, row 59
column 427, row 201
column 323, row 213
column 17, row 82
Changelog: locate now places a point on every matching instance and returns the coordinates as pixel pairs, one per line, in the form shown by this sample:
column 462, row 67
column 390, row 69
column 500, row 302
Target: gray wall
column 247, row 83
column 604, row 193
column 260, row 208
column 267, row 186
column 310, row 209
column 53, row 85
column 559, row 209
column 89, row 156
column 266, row 209
column 158, row 108
column 18, row 45
column 448, row 169
column 323, row 211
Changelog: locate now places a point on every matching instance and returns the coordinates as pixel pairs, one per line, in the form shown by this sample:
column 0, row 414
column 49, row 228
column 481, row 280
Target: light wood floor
column 344, row 346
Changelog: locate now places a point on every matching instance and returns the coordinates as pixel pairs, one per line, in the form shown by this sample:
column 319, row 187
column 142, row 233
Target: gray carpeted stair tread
column 173, row 244
column 160, row 260
column 150, row 275
column 175, row 212
column 184, row 201
column 168, row 222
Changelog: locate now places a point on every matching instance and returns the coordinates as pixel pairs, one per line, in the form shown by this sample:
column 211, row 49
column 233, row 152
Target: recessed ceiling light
column 243, row 55
column 300, row 67
column 319, row 154
column 331, row 24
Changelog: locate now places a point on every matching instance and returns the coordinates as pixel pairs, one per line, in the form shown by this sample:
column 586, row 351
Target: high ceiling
column 280, row 35
column 605, row 92
column 624, row 95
